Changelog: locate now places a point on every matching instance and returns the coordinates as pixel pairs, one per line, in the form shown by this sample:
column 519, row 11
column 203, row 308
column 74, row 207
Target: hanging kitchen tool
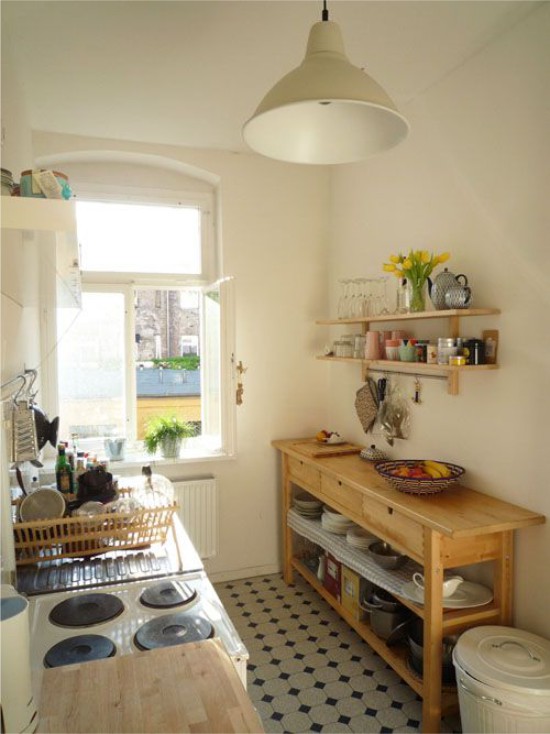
column 24, row 443
column 395, row 417
column 366, row 405
column 417, row 388
column 377, row 428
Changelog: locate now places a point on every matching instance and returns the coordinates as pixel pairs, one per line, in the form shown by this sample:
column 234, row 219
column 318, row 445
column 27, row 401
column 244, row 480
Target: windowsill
column 135, row 460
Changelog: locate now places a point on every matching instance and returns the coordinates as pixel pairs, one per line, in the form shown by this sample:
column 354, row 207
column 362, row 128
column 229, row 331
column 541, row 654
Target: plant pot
column 170, row 448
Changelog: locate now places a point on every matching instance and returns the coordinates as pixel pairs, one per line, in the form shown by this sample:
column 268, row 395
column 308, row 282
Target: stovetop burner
column 79, row 649
column 166, row 594
column 173, row 629
column 84, row 610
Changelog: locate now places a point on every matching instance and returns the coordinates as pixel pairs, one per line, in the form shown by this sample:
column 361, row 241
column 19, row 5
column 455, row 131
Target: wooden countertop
column 185, row 688
column 456, row 512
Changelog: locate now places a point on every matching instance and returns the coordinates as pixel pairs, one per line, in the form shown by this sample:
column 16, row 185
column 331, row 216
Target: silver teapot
column 439, row 287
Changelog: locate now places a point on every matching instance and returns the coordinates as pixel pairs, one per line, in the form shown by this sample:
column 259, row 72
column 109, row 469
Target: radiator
column 197, row 501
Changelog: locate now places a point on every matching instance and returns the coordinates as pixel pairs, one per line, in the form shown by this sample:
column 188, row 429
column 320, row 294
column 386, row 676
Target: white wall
column 16, row 352
column 473, row 179
column 274, row 223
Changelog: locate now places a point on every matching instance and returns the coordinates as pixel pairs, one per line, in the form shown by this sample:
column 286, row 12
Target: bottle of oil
column 63, row 472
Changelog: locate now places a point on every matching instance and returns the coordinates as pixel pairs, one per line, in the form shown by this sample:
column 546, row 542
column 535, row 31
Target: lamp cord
column 324, row 15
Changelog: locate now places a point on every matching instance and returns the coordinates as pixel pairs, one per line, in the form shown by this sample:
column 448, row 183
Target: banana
column 443, row 470
column 434, row 473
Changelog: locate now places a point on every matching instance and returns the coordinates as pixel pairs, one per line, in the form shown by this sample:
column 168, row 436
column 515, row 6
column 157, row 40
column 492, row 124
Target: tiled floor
column 308, row 670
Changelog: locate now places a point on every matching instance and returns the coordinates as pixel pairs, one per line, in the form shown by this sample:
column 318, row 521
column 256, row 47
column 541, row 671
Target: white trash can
column 503, row 679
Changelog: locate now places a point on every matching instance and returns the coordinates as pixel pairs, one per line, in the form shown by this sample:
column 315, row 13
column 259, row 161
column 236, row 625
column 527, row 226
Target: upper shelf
column 40, row 230
column 417, row 315
column 447, row 372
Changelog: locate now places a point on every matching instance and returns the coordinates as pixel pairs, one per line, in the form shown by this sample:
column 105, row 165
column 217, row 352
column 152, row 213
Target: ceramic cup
column 372, row 345
column 407, row 351
column 399, row 334
column 392, row 349
column 449, row 585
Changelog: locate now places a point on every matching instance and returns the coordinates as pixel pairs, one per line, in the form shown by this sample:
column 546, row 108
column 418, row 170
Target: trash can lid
column 505, row 657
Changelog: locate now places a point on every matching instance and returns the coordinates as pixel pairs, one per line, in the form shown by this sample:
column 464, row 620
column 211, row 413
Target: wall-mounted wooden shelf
column 443, row 371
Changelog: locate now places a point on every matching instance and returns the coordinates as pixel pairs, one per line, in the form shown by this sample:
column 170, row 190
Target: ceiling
column 190, row 73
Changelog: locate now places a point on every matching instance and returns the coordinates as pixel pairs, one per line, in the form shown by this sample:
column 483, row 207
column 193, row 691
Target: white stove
column 88, row 609
column 61, row 623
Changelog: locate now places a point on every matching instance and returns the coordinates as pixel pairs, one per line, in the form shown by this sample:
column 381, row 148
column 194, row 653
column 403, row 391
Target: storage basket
column 70, row 537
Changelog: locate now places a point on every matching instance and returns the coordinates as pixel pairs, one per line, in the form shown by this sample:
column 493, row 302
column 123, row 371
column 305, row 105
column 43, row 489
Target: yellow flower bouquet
column 416, row 267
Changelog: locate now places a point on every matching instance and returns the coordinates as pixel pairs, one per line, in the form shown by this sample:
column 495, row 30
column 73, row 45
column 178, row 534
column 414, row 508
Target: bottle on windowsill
column 63, row 473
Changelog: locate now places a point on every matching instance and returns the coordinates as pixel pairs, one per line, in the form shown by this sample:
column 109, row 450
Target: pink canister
column 372, row 345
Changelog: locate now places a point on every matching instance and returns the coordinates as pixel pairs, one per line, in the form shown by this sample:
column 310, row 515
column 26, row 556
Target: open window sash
column 217, row 368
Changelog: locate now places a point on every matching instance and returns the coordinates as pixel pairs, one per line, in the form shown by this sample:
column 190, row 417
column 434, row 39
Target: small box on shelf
column 354, row 589
column 333, row 576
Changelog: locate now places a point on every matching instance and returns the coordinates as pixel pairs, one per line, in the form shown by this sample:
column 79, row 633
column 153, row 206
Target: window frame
column 125, row 283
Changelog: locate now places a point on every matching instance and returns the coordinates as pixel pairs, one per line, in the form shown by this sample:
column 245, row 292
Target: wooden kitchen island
column 185, row 688
column 457, row 527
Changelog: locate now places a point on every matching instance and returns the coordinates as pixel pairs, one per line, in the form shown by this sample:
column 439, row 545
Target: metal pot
column 415, row 638
column 385, row 624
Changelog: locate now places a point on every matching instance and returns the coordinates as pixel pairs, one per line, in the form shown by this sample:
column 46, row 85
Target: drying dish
column 385, row 556
column 395, row 473
column 467, row 595
column 44, row 504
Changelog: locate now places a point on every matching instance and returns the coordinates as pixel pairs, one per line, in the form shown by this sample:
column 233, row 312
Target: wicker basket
column 71, row 537
column 417, row 485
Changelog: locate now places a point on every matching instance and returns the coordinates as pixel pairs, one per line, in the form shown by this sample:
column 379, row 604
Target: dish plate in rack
column 467, row 595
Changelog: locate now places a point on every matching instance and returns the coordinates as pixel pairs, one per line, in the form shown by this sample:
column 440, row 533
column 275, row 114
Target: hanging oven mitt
column 366, row 406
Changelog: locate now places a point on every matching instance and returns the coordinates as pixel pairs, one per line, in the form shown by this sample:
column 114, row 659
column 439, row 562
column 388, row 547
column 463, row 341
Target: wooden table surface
column 185, row 688
column 457, row 512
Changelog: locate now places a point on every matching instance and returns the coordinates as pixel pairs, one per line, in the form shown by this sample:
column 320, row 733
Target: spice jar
column 431, row 353
column 445, row 348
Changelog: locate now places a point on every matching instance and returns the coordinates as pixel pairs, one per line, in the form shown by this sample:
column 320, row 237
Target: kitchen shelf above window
column 450, row 373
column 46, row 229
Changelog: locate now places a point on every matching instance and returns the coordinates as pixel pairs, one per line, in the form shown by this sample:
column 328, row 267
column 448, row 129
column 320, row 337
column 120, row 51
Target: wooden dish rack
column 70, row 537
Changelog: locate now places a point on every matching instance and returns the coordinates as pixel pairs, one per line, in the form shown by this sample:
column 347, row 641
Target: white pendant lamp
column 326, row 110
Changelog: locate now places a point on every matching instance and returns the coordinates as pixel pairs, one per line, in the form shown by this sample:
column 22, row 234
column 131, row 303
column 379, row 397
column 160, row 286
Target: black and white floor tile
column 308, row 670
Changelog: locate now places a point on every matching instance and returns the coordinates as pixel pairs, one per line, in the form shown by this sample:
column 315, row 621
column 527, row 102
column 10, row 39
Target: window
column 153, row 336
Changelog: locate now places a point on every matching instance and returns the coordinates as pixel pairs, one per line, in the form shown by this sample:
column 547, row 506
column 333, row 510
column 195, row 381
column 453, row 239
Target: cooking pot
column 382, row 599
column 415, row 638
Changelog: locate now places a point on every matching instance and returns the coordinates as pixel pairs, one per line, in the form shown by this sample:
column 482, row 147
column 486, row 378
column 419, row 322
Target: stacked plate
column 6, row 179
column 359, row 538
column 308, row 507
column 334, row 522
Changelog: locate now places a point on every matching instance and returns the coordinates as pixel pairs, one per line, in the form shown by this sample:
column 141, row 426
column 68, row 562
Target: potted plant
column 166, row 433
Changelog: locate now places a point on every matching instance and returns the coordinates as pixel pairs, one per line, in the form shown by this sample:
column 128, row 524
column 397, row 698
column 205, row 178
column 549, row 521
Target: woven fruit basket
column 389, row 470
column 71, row 537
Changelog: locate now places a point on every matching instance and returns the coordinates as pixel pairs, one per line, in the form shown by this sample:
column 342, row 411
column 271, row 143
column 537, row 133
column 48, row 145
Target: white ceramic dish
column 467, row 595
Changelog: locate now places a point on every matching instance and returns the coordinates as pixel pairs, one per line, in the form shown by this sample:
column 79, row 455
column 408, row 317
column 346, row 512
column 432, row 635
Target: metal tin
column 457, row 360
column 474, row 351
column 445, row 348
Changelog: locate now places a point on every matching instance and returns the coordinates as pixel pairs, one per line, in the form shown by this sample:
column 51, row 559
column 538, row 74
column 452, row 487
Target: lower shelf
column 396, row 656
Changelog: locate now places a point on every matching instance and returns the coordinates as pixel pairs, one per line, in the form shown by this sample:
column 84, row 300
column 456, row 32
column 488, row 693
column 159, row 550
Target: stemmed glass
column 382, row 296
column 344, row 300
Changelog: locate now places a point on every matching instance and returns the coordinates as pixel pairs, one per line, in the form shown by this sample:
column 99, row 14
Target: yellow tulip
column 407, row 265
column 395, row 258
column 388, row 267
column 398, row 273
column 425, row 256
column 444, row 257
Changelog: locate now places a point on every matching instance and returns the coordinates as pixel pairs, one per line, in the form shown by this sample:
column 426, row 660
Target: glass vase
column 418, row 297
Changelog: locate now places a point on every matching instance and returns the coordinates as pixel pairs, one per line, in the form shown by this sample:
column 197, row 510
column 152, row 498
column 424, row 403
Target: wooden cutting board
column 314, row 449
column 186, row 688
